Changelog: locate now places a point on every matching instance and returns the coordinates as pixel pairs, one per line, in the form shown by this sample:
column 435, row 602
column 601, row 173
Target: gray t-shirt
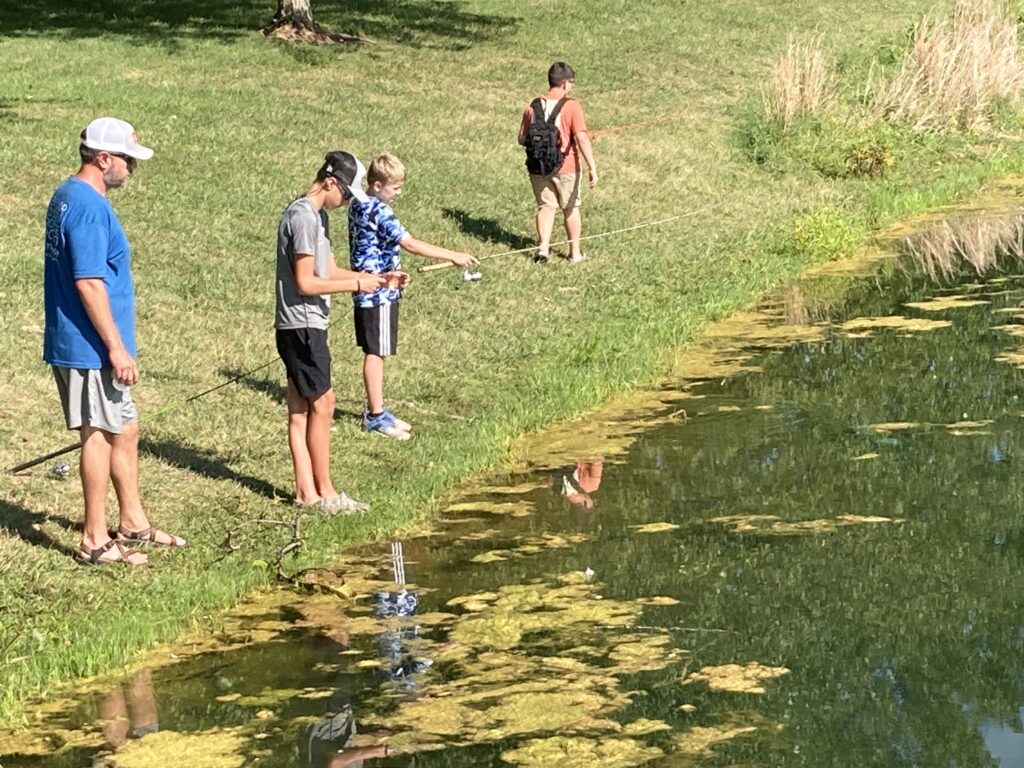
column 303, row 229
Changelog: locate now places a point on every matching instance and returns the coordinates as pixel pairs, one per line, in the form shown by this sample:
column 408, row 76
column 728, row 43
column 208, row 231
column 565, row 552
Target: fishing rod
column 181, row 403
column 167, row 408
column 646, row 224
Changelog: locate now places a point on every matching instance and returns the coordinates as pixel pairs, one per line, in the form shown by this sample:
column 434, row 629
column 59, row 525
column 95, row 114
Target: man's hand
column 593, row 178
column 126, row 370
column 463, row 260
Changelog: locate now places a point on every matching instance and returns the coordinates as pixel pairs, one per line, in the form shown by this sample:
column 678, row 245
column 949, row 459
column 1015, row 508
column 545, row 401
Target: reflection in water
column 397, row 642
column 577, row 485
column 808, row 554
column 332, row 740
column 127, row 711
column 982, row 243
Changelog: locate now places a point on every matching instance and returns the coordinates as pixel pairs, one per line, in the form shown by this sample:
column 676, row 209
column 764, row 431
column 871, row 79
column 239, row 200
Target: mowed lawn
column 240, row 123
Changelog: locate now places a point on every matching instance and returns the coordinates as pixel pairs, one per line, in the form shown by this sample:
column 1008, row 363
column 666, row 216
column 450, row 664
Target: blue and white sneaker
column 385, row 424
column 404, row 425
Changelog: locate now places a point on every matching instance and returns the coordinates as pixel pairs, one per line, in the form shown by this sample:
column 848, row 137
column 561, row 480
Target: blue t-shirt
column 84, row 239
column 374, row 237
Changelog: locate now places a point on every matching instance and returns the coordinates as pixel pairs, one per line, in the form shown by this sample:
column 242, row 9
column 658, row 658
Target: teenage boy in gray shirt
column 306, row 276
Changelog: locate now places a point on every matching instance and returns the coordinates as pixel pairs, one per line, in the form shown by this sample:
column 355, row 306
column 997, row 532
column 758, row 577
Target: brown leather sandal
column 88, row 556
column 148, row 536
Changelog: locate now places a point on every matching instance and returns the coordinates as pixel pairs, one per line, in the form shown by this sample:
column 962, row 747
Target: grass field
column 240, row 123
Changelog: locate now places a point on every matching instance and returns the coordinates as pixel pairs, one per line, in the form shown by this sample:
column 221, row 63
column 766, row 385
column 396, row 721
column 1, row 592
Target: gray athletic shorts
column 90, row 398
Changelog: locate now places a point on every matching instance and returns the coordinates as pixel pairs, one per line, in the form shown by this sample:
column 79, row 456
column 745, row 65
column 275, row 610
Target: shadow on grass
column 487, row 229
column 208, row 464
column 7, row 111
column 27, row 525
column 275, row 391
column 418, row 23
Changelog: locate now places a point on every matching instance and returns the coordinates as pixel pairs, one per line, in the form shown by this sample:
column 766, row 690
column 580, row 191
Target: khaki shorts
column 89, row 398
column 559, row 191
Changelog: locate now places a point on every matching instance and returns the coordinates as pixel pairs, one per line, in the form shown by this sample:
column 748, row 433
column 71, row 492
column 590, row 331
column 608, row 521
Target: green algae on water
column 578, row 752
column 216, row 748
column 737, row 678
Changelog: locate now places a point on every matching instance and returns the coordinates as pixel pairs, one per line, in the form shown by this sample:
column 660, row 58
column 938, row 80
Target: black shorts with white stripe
column 377, row 329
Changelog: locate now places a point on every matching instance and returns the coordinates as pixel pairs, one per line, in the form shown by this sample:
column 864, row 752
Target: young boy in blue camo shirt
column 376, row 239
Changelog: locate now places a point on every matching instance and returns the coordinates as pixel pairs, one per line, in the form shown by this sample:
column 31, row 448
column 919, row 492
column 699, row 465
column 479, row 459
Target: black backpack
column 543, row 152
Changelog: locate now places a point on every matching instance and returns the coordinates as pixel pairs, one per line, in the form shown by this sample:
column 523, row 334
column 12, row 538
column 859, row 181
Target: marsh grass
column 802, row 84
column 955, row 78
column 240, row 124
column 980, row 243
column 956, row 71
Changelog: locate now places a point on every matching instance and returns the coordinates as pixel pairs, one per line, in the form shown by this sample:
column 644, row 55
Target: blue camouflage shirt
column 374, row 235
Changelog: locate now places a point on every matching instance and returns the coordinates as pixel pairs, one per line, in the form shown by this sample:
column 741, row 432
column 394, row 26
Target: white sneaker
column 342, row 504
column 404, row 425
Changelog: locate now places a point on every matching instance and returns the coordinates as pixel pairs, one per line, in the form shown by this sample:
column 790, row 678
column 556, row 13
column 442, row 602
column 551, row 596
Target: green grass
column 239, row 124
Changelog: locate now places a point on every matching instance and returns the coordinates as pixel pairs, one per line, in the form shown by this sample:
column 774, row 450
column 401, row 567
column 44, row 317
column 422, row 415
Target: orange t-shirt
column 570, row 122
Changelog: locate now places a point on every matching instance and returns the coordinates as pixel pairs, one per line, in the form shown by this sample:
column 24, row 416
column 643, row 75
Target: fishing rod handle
column 433, row 267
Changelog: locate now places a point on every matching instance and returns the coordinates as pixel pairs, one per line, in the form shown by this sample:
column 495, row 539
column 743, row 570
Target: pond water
column 806, row 550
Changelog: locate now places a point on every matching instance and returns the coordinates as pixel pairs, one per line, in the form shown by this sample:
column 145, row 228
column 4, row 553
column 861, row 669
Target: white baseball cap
column 108, row 134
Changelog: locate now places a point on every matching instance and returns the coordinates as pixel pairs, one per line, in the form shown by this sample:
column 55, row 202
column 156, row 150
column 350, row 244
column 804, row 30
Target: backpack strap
column 538, row 109
column 557, row 109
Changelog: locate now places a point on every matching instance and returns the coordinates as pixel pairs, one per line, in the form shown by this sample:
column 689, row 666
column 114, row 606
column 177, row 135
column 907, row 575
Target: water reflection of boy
column 329, row 741
column 331, row 735
column 585, row 479
column 401, row 603
column 353, row 758
column 128, row 711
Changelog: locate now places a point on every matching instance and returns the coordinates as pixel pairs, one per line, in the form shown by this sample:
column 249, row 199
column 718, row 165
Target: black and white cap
column 349, row 172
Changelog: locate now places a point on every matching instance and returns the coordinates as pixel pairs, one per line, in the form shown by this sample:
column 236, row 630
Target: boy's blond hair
column 385, row 168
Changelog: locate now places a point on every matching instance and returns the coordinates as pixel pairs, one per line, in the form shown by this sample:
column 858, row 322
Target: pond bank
column 719, row 568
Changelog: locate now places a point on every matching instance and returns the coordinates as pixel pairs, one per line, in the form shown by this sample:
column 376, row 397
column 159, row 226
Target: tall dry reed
column 955, row 71
column 979, row 242
column 802, row 84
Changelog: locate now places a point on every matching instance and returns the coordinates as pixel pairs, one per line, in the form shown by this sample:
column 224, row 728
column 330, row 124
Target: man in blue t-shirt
column 90, row 337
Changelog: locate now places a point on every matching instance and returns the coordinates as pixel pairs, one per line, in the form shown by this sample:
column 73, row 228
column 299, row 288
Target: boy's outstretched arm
column 420, row 248
column 340, row 281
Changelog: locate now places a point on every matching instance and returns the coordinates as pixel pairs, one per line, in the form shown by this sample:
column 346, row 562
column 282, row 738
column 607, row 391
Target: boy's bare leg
column 373, row 380
column 573, row 229
column 298, row 408
column 318, row 442
column 545, row 223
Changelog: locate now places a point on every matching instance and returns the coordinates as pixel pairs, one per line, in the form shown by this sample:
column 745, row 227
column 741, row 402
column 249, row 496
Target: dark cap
column 349, row 172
